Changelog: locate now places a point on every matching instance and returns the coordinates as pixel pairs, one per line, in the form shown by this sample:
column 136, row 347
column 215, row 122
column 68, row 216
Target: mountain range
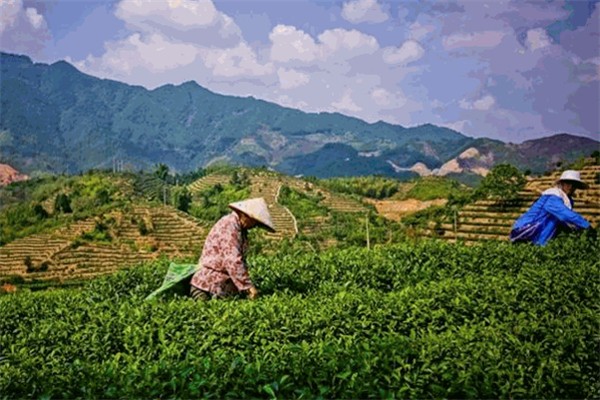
column 53, row 118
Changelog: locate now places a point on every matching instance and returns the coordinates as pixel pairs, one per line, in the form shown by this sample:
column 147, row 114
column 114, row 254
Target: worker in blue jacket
column 550, row 213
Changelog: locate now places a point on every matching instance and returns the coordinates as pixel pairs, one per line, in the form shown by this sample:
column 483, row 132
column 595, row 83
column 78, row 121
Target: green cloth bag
column 176, row 280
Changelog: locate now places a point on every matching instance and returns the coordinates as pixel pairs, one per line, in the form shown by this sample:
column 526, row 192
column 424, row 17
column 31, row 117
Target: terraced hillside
column 268, row 184
column 262, row 184
column 208, row 181
column 25, row 256
column 335, row 202
column 71, row 253
column 487, row 220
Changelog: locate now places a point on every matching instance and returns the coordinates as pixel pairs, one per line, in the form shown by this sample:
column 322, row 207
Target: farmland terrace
column 268, row 184
column 70, row 253
column 490, row 220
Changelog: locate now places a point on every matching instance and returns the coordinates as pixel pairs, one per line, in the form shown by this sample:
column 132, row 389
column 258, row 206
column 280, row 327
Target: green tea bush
column 412, row 320
column 434, row 187
column 19, row 220
column 212, row 203
column 73, row 198
column 375, row 187
column 302, row 205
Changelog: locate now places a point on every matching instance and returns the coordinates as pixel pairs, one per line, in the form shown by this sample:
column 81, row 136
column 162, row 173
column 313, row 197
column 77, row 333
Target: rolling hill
column 57, row 119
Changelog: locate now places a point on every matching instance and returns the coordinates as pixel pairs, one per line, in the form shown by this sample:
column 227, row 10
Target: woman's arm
column 555, row 206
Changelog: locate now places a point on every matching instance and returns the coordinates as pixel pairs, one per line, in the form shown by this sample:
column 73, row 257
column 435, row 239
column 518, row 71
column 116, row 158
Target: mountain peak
column 90, row 122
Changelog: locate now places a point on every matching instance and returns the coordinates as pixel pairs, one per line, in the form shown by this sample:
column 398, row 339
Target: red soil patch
column 8, row 175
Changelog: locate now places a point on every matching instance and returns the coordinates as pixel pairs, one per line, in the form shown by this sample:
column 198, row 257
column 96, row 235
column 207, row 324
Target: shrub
column 28, row 264
column 181, row 198
column 502, row 183
column 40, row 212
column 413, row 320
column 62, row 203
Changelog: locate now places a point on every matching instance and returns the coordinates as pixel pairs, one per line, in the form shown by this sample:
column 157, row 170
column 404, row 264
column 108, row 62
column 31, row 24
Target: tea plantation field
column 415, row 320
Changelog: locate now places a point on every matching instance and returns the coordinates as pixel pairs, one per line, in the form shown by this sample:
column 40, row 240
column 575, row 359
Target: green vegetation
column 181, row 198
column 100, row 234
column 433, row 187
column 303, row 205
column 353, row 229
column 43, row 204
column 503, row 183
column 20, row 220
column 51, row 202
column 424, row 218
column 62, row 203
column 375, row 187
column 376, row 316
column 212, row 203
column 415, row 320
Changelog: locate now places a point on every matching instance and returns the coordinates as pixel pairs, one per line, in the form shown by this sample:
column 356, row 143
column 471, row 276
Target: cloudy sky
column 510, row 70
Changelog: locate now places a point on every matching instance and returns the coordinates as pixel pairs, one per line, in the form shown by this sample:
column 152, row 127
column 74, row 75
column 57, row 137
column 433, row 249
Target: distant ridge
column 57, row 119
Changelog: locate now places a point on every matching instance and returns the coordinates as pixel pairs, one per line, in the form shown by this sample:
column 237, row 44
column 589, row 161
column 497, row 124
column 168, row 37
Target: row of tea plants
column 414, row 320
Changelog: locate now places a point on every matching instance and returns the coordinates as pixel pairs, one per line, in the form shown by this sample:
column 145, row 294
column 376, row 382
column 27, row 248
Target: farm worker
column 551, row 212
column 222, row 269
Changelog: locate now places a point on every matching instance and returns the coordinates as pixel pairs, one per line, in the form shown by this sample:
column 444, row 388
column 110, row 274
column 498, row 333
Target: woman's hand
column 252, row 293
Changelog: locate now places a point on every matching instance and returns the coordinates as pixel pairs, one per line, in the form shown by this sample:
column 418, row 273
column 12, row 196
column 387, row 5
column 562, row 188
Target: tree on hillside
column 502, row 183
column 102, row 197
column 161, row 171
column 62, row 203
column 181, row 198
column 40, row 212
column 240, row 179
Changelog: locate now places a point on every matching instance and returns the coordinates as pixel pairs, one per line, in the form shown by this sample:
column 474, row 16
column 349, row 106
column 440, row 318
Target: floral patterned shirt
column 222, row 267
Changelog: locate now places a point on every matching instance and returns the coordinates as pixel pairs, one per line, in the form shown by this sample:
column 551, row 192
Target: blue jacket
column 540, row 223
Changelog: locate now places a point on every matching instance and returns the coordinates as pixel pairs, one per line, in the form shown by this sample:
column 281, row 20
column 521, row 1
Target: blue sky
column 509, row 70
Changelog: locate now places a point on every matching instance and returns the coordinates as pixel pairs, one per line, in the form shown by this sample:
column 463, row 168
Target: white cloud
column 239, row 61
column 459, row 126
column 9, row 13
column 289, row 43
column 337, row 70
column 287, row 101
column 408, row 52
column 127, row 58
column 35, row 19
column 537, row 39
column 181, row 14
column 388, row 100
column 419, row 31
column 170, row 37
column 289, row 78
column 483, row 104
column 346, row 103
column 195, row 21
column 22, row 30
column 347, row 43
column 381, row 96
column 485, row 39
column 363, row 11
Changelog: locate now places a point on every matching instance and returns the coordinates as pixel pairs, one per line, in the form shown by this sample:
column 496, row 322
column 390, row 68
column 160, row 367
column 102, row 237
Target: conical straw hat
column 256, row 209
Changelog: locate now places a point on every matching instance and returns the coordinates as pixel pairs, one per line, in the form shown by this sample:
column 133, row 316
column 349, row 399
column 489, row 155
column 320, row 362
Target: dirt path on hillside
column 396, row 209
